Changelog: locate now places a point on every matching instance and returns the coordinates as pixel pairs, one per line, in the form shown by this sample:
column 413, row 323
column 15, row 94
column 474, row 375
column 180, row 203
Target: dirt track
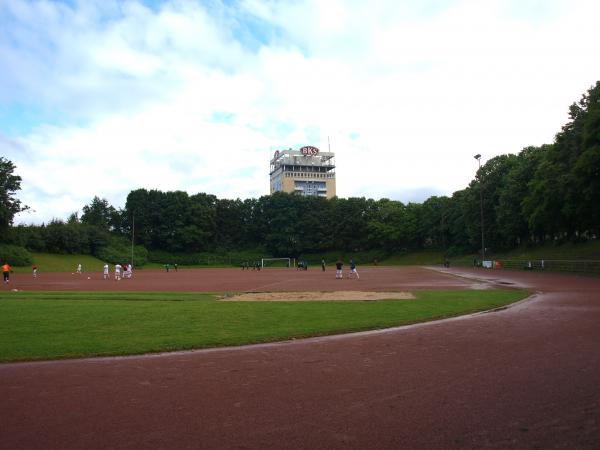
column 525, row 377
column 236, row 280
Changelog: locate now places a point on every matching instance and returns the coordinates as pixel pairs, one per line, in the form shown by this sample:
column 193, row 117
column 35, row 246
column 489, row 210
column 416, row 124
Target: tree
column 587, row 166
column 61, row 237
column 314, row 224
column 387, row 229
column 279, row 216
column 460, row 222
column 350, row 218
column 434, row 222
column 511, row 219
column 229, row 220
column 9, row 185
column 99, row 213
column 145, row 206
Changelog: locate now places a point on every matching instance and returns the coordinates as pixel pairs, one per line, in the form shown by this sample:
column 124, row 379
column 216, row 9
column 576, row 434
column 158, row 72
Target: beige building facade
column 306, row 171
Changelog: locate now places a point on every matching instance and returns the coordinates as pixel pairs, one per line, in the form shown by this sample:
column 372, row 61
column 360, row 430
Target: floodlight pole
column 132, row 236
column 478, row 158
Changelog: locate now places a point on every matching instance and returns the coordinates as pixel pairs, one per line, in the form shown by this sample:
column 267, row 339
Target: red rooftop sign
column 309, row 150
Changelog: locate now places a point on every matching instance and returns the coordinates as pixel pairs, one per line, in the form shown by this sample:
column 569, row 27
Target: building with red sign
column 306, row 171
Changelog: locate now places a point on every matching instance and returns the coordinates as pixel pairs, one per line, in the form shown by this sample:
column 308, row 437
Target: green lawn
column 51, row 262
column 53, row 325
column 589, row 250
column 416, row 258
column 158, row 266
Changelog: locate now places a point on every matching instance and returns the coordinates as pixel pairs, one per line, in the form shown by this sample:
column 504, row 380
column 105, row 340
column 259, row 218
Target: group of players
column 126, row 270
column 121, row 271
column 303, row 265
column 254, row 266
column 339, row 264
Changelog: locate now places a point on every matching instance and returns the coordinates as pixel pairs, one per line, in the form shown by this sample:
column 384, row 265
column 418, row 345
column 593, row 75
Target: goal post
column 277, row 262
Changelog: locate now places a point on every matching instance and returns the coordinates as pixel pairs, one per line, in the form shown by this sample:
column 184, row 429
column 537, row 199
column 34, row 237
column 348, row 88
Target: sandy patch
column 317, row 296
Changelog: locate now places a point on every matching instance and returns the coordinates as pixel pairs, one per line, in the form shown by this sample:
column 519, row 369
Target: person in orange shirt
column 6, row 272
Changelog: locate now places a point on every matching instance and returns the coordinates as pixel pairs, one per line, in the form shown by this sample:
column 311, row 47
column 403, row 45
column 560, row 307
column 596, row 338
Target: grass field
column 51, row 262
column 420, row 258
column 54, row 325
column 589, row 250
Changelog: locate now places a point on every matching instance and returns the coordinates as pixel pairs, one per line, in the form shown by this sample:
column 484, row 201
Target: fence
column 551, row 265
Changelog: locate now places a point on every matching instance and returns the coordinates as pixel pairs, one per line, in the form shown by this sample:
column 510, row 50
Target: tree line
column 551, row 192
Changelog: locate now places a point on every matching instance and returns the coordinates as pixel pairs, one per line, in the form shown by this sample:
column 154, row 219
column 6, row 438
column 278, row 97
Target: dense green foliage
column 9, row 185
column 14, row 255
column 54, row 262
column 213, row 259
column 119, row 253
column 547, row 193
column 50, row 325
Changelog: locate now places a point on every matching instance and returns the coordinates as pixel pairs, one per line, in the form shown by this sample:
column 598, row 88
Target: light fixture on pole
column 478, row 158
column 132, row 234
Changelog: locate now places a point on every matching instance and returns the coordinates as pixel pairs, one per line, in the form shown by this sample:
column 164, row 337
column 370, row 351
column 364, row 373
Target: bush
column 181, row 259
column 116, row 253
column 204, row 258
column 458, row 251
column 14, row 255
column 361, row 257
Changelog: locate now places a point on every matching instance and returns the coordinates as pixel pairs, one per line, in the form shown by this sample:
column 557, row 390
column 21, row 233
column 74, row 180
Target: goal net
column 277, row 262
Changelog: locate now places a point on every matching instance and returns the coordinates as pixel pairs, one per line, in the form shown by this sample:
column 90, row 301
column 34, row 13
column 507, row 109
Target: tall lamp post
column 478, row 158
column 132, row 235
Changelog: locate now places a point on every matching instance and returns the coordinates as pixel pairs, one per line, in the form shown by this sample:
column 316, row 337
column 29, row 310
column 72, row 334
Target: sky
column 101, row 97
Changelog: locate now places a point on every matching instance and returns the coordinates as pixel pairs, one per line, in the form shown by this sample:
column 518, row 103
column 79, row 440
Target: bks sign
column 309, row 150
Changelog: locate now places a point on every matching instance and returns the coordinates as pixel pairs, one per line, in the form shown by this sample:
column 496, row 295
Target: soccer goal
column 277, row 262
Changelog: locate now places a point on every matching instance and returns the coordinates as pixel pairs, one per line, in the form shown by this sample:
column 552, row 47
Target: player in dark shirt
column 338, row 269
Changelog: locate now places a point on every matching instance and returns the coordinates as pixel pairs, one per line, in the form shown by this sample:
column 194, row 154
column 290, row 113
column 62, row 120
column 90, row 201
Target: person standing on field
column 6, row 272
column 353, row 270
column 338, row 269
column 323, row 264
column 34, row 268
column 105, row 272
column 78, row 270
column 118, row 272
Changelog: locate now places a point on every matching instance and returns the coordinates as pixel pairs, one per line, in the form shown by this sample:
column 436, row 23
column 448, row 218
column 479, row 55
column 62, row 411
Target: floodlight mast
column 132, row 236
column 478, row 158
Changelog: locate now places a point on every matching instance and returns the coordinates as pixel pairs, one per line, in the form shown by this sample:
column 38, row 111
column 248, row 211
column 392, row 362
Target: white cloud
column 407, row 92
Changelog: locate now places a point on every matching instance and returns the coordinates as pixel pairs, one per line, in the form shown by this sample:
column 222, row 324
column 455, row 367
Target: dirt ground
column 372, row 279
column 522, row 378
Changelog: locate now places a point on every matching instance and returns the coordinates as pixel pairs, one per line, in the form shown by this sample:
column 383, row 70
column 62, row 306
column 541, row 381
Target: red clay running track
column 227, row 280
column 524, row 377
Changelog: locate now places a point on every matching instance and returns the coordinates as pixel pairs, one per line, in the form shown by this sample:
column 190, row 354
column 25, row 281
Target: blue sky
column 100, row 97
